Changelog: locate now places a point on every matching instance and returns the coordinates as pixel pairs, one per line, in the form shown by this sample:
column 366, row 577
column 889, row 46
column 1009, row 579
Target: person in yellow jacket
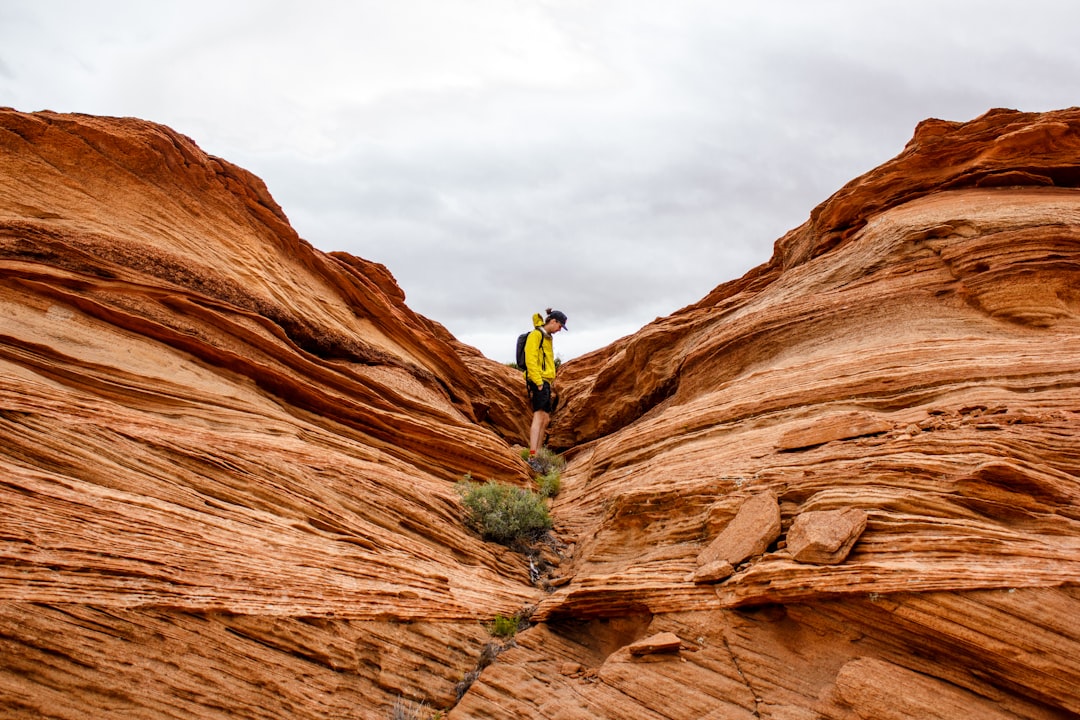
column 540, row 374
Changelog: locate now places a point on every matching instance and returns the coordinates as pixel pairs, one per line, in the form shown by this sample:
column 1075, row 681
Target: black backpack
column 522, row 339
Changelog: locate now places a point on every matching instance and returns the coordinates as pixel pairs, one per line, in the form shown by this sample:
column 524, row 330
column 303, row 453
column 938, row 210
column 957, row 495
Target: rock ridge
column 846, row 485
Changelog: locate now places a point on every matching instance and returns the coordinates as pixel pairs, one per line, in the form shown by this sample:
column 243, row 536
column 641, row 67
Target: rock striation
column 846, row 485
column 227, row 464
column 909, row 353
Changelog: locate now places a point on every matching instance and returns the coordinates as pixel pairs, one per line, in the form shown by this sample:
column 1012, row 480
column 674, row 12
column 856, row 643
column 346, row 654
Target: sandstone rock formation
column 911, row 351
column 665, row 642
column 754, row 528
column 228, row 459
column 825, row 537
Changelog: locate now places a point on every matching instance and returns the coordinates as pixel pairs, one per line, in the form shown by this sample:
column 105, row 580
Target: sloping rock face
column 910, row 353
column 227, row 459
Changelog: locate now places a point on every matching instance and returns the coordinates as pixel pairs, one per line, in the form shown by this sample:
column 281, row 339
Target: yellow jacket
column 539, row 357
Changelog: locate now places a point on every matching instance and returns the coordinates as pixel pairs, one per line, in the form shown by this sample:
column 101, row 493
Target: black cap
column 558, row 315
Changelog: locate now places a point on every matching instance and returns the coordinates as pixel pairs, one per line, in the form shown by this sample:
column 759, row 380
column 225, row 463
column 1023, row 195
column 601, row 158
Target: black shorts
column 541, row 398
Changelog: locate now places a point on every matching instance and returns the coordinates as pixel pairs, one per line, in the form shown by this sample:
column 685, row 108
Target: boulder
column 665, row 642
column 825, row 537
column 755, row 526
column 713, row 572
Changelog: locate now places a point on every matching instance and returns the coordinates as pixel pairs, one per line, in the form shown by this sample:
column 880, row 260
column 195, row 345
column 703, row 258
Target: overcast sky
column 614, row 159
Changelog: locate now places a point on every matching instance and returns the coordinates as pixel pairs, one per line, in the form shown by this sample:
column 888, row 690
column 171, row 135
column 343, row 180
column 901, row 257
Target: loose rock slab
column 665, row 642
column 755, row 526
column 840, row 427
column 713, row 572
column 825, row 537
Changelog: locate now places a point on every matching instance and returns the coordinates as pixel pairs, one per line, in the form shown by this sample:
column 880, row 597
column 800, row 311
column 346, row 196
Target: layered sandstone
column 228, row 459
column 910, row 353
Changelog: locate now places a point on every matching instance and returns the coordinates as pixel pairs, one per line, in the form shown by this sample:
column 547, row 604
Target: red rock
column 882, row 690
column 916, row 295
column 755, row 526
column 227, row 459
column 843, row 427
column 825, row 537
column 570, row 668
column 713, row 571
column 664, row 642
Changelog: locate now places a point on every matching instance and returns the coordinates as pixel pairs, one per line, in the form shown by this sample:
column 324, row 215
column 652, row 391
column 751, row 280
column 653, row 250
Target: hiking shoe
column 536, row 465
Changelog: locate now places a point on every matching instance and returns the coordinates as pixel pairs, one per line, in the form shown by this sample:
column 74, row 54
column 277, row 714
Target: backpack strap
column 540, row 349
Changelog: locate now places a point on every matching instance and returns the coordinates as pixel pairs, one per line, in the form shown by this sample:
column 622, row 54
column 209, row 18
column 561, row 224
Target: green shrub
column 549, row 485
column 504, row 513
column 503, row 626
column 547, row 461
column 550, row 461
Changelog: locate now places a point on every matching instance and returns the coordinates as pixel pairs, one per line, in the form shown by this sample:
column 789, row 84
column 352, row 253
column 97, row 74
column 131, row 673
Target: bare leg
column 540, row 420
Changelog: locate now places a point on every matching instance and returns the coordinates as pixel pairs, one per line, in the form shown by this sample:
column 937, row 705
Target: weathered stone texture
column 755, row 526
column 227, row 459
column 825, row 537
column 665, row 642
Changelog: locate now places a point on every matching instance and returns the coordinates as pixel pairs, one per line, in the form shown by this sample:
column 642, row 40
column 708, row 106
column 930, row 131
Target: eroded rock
column 665, row 642
column 755, row 526
column 713, row 572
column 825, row 537
column 884, row 691
column 227, row 458
column 840, row 427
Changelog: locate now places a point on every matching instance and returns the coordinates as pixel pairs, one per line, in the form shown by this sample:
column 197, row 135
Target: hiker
column 540, row 375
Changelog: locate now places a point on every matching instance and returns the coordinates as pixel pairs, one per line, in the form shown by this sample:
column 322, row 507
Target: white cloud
column 614, row 159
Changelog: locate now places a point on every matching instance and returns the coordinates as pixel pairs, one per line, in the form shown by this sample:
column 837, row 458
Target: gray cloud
column 614, row 159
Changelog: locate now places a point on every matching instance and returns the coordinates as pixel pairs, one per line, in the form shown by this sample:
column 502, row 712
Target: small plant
column 403, row 709
column 487, row 656
column 549, row 467
column 466, row 682
column 504, row 513
column 508, row 626
column 549, row 485
column 504, row 627
column 549, row 461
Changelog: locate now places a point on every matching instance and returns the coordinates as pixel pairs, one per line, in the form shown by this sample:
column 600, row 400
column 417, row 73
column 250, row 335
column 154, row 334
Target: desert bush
column 504, row 626
column 487, row 656
column 403, row 709
column 546, row 461
column 510, row 625
column 504, row 513
column 549, row 485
